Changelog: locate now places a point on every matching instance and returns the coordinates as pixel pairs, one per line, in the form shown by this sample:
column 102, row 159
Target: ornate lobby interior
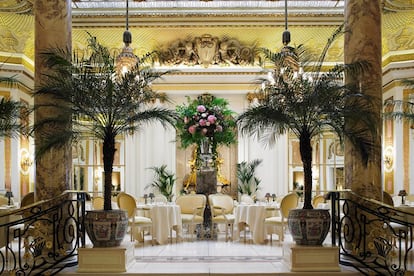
column 176, row 30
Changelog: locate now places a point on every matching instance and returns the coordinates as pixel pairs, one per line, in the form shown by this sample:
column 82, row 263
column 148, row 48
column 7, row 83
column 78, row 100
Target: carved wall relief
column 207, row 50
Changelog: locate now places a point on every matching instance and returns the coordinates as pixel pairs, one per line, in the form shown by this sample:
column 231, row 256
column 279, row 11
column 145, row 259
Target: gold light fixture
column 25, row 161
column 285, row 63
column 389, row 158
column 126, row 59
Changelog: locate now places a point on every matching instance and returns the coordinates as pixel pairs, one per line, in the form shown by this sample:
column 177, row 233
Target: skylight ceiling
column 197, row 6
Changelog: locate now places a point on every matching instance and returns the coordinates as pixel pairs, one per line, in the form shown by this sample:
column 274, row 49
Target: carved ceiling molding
column 207, row 50
column 398, row 5
column 16, row 6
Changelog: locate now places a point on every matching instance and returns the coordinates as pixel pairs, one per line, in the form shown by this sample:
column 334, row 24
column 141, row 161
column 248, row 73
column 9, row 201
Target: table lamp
column 402, row 194
column 9, row 195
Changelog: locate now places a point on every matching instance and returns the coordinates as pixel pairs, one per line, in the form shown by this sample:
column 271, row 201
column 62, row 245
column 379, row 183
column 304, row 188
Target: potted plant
column 307, row 106
column 163, row 182
column 102, row 104
column 248, row 182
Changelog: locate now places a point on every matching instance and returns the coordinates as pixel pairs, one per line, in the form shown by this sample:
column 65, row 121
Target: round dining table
column 253, row 215
column 165, row 218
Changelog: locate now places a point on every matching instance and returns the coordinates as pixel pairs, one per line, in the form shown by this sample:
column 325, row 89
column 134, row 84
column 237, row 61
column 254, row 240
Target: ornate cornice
column 14, row 6
column 397, row 5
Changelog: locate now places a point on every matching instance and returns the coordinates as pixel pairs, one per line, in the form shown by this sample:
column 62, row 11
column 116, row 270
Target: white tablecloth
column 165, row 217
column 254, row 216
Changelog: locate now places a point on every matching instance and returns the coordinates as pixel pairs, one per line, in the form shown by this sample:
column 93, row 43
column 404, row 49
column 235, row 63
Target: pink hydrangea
column 212, row 119
column 204, row 131
column 201, row 108
column 202, row 122
column 192, row 129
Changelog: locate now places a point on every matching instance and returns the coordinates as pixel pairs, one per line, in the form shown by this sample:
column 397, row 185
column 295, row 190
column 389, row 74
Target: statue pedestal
column 206, row 185
column 206, row 182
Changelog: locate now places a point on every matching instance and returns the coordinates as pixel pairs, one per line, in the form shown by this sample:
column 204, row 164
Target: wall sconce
column 25, row 161
column 388, row 158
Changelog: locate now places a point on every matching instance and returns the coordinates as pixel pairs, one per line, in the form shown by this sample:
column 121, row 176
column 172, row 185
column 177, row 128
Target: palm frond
column 10, row 125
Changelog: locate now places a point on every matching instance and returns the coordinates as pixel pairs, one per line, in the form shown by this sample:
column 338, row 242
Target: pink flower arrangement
column 206, row 117
column 204, row 121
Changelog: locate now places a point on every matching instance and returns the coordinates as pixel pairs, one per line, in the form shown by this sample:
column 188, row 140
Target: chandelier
column 126, row 59
column 286, row 68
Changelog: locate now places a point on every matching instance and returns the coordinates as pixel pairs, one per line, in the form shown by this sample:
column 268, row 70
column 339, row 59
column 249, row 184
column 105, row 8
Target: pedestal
column 206, row 185
column 105, row 259
column 311, row 258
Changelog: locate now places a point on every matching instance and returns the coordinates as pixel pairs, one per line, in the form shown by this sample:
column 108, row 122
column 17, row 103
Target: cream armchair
column 137, row 222
column 222, row 211
column 278, row 224
column 192, row 211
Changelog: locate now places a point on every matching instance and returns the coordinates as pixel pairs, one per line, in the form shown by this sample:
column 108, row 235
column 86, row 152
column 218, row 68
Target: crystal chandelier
column 126, row 59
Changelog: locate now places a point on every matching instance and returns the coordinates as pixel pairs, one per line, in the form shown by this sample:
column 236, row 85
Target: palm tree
column 248, row 182
column 400, row 109
column 96, row 102
column 163, row 182
column 10, row 113
column 309, row 106
column 9, row 118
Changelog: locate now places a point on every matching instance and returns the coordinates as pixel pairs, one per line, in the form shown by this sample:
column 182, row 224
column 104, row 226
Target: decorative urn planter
column 106, row 228
column 309, row 226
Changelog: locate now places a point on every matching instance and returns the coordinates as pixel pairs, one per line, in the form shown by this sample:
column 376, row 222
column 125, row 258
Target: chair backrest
column 117, row 197
column 289, row 201
column 189, row 202
column 246, row 199
column 97, row 202
column 127, row 202
column 5, row 200
column 387, row 198
column 221, row 200
column 27, row 199
column 318, row 199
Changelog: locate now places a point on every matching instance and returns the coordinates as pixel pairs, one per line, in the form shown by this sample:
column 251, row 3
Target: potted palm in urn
column 308, row 104
column 101, row 103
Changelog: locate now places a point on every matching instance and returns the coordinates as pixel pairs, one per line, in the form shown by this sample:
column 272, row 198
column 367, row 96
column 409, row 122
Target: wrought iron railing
column 43, row 238
column 374, row 238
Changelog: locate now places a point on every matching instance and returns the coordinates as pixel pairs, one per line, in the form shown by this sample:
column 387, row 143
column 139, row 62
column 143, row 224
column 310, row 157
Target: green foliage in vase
column 163, row 183
column 312, row 103
column 87, row 97
column 248, row 182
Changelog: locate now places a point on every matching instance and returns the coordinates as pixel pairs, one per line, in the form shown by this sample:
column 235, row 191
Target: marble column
column 52, row 30
column 363, row 42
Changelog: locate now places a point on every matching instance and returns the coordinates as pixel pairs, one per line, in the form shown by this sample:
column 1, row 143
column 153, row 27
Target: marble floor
column 210, row 257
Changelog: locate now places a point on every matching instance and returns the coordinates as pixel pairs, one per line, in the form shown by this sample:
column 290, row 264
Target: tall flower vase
column 206, row 156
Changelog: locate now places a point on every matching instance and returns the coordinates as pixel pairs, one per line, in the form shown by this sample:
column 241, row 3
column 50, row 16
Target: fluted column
column 52, row 30
column 363, row 42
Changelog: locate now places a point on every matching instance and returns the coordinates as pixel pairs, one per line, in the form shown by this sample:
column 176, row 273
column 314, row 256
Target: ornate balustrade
column 42, row 238
column 374, row 238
